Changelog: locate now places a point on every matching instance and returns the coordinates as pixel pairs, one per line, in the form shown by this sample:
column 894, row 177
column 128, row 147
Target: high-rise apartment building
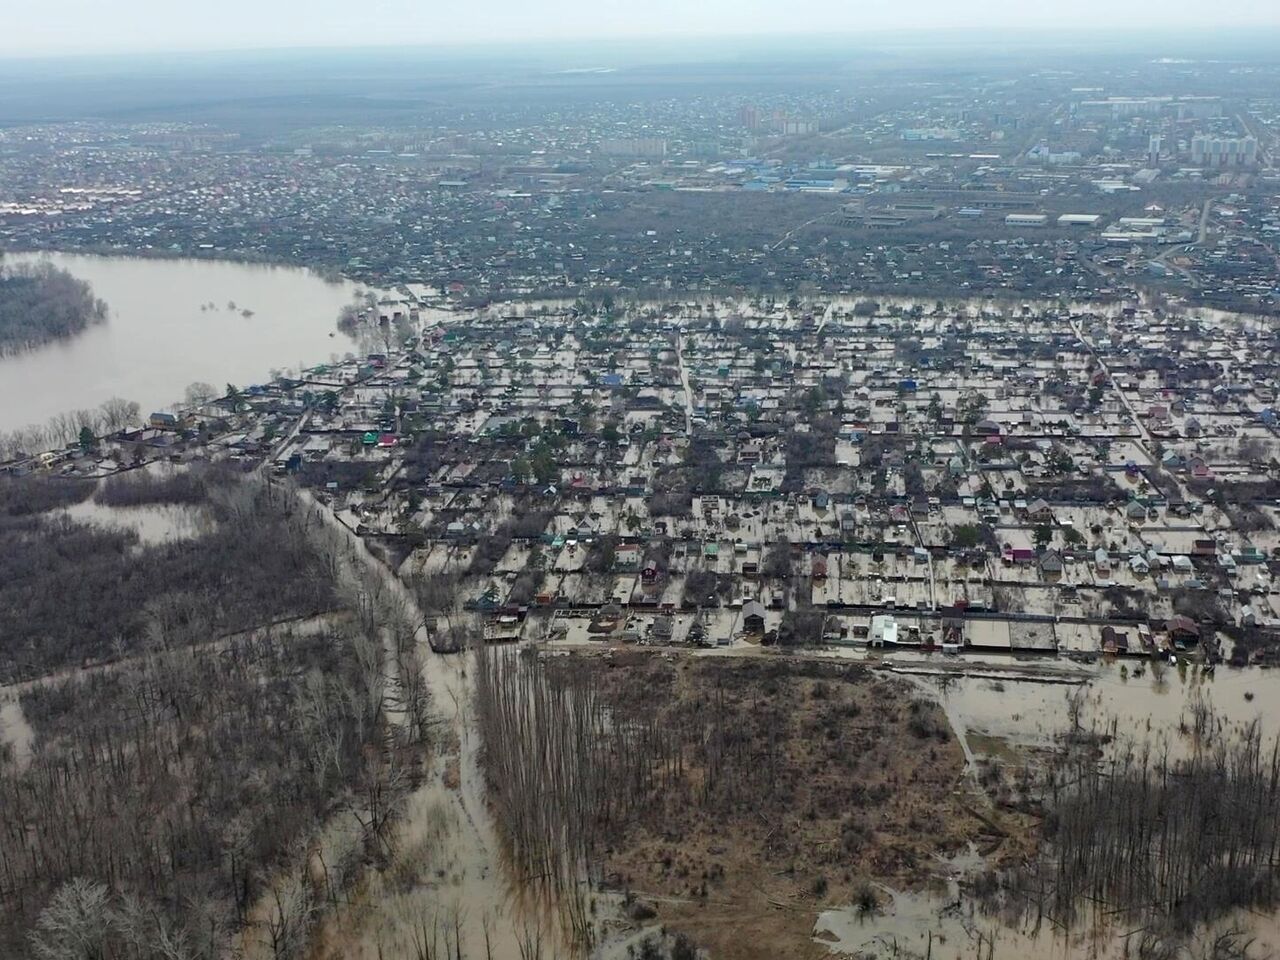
column 1215, row 152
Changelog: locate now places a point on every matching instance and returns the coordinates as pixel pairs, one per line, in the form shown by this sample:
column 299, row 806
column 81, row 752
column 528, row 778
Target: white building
column 1213, row 151
column 884, row 630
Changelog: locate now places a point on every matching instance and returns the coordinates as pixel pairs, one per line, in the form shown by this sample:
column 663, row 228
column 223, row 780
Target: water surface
column 170, row 323
column 154, row 523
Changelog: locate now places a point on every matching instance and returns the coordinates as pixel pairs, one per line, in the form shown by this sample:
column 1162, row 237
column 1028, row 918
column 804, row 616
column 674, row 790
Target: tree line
column 64, row 428
column 30, row 495
column 40, row 303
column 142, row 488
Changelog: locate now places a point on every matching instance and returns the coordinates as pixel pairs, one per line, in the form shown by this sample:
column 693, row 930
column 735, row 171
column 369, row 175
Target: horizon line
column 956, row 37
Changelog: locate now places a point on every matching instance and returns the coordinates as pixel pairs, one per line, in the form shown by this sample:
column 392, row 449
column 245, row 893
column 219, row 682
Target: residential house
column 1039, row 511
column 884, row 631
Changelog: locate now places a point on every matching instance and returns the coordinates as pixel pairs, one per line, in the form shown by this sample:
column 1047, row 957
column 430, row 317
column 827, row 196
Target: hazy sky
column 35, row 27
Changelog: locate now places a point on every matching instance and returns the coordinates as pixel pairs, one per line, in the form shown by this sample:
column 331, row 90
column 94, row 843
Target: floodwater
column 170, row 323
column 446, row 834
column 1031, row 706
column 943, row 926
column 1145, row 700
column 926, row 926
column 154, row 524
column 15, row 732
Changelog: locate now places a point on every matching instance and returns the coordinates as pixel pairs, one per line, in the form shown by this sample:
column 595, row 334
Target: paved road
column 826, row 315
column 1144, row 440
column 684, row 383
column 808, row 223
column 283, row 445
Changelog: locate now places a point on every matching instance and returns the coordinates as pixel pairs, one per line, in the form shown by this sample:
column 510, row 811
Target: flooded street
column 172, row 322
column 447, row 837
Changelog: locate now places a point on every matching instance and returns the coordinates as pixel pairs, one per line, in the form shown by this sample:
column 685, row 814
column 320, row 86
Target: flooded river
column 171, row 323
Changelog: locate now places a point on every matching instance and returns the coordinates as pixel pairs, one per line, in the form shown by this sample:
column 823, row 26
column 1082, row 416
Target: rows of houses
column 948, row 478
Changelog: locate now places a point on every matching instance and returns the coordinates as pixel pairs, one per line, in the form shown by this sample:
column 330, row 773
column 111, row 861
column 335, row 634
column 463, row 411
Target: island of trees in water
column 40, row 303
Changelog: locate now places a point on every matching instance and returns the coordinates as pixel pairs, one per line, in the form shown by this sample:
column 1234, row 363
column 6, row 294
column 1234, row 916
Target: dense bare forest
column 199, row 791
column 180, row 782
column 1172, row 843
column 40, row 303
column 72, row 593
column 634, row 771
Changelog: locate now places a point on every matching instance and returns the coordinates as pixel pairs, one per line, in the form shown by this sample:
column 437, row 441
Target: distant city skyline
column 128, row 26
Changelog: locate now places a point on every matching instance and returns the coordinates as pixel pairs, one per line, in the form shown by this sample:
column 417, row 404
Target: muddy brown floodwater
column 450, row 884
column 994, row 710
column 1148, row 703
column 170, row 323
column 153, row 523
column 943, row 927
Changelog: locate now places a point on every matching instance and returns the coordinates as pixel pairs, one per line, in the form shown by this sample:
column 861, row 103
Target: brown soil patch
column 802, row 782
column 452, row 775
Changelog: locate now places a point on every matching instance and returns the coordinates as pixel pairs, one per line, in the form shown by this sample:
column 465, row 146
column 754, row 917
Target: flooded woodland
column 255, row 749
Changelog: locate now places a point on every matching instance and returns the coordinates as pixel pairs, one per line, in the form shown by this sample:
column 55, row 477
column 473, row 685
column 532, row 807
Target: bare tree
column 76, row 925
column 120, row 414
column 198, row 393
column 289, row 916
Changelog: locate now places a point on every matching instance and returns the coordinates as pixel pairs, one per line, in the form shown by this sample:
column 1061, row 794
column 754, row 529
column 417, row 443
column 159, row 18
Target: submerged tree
column 1175, row 843
column 40, row 303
